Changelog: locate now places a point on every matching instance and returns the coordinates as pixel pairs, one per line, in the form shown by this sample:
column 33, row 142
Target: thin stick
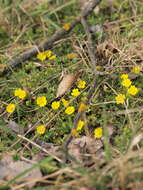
column 90, row 46
column 128, row 111
column 91, row 49
column 43, row 149
column 48, row 44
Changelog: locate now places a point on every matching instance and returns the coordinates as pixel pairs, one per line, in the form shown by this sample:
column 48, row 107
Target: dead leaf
column 110, row 129
column 109, row 1
column 84, row 145
column 82, row 3
column 107, row 48
column 132, row 76
column 66, row 83
column 96, row 10
column 15, row 127
column 10, row 169
column 136, row 140
column 96, row 28
column 28, row 5
column 52, row 148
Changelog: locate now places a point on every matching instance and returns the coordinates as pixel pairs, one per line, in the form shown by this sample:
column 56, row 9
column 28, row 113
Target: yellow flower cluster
column 131, row 89
column 20, row 93
column 70, row 109
column 10, row 108
column 136, row 69
column 41, row 101
column 127, row 83
column 75, row 92
column 56, row 104
column 46, row 55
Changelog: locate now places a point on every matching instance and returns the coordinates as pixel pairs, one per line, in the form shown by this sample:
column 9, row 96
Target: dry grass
column 118, row 165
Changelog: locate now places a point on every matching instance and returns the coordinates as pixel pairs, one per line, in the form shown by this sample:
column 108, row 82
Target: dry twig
column 48, row 44
column 41, row 148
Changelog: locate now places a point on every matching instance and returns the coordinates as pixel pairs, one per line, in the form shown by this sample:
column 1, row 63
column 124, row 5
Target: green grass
column 120, row 168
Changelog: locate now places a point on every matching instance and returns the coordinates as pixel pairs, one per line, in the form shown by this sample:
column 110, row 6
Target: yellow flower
column 20, row 93
column 124, row 76
column 65, row 102
column 66, row 27
column 80, row 125
column 98, row 132
column 120, row 98
column 75, row 92
column 2, row 67
column 69, row 110
column 48, row 53
column 41, row 56
column 52, row 57
column 98, row 68
column 82, row 107
column 41, row 129
column 74, row 133
column 126, row 82
column 10, row 108
column 81, row 84
column 133, row 90
column 41, row 101
column 71, row 55
column 16, row 92
column 136, row 69
column 55, row 105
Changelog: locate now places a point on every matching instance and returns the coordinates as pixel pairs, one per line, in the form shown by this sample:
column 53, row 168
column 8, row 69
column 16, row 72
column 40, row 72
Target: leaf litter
column 9, row 169
column 66, row 83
